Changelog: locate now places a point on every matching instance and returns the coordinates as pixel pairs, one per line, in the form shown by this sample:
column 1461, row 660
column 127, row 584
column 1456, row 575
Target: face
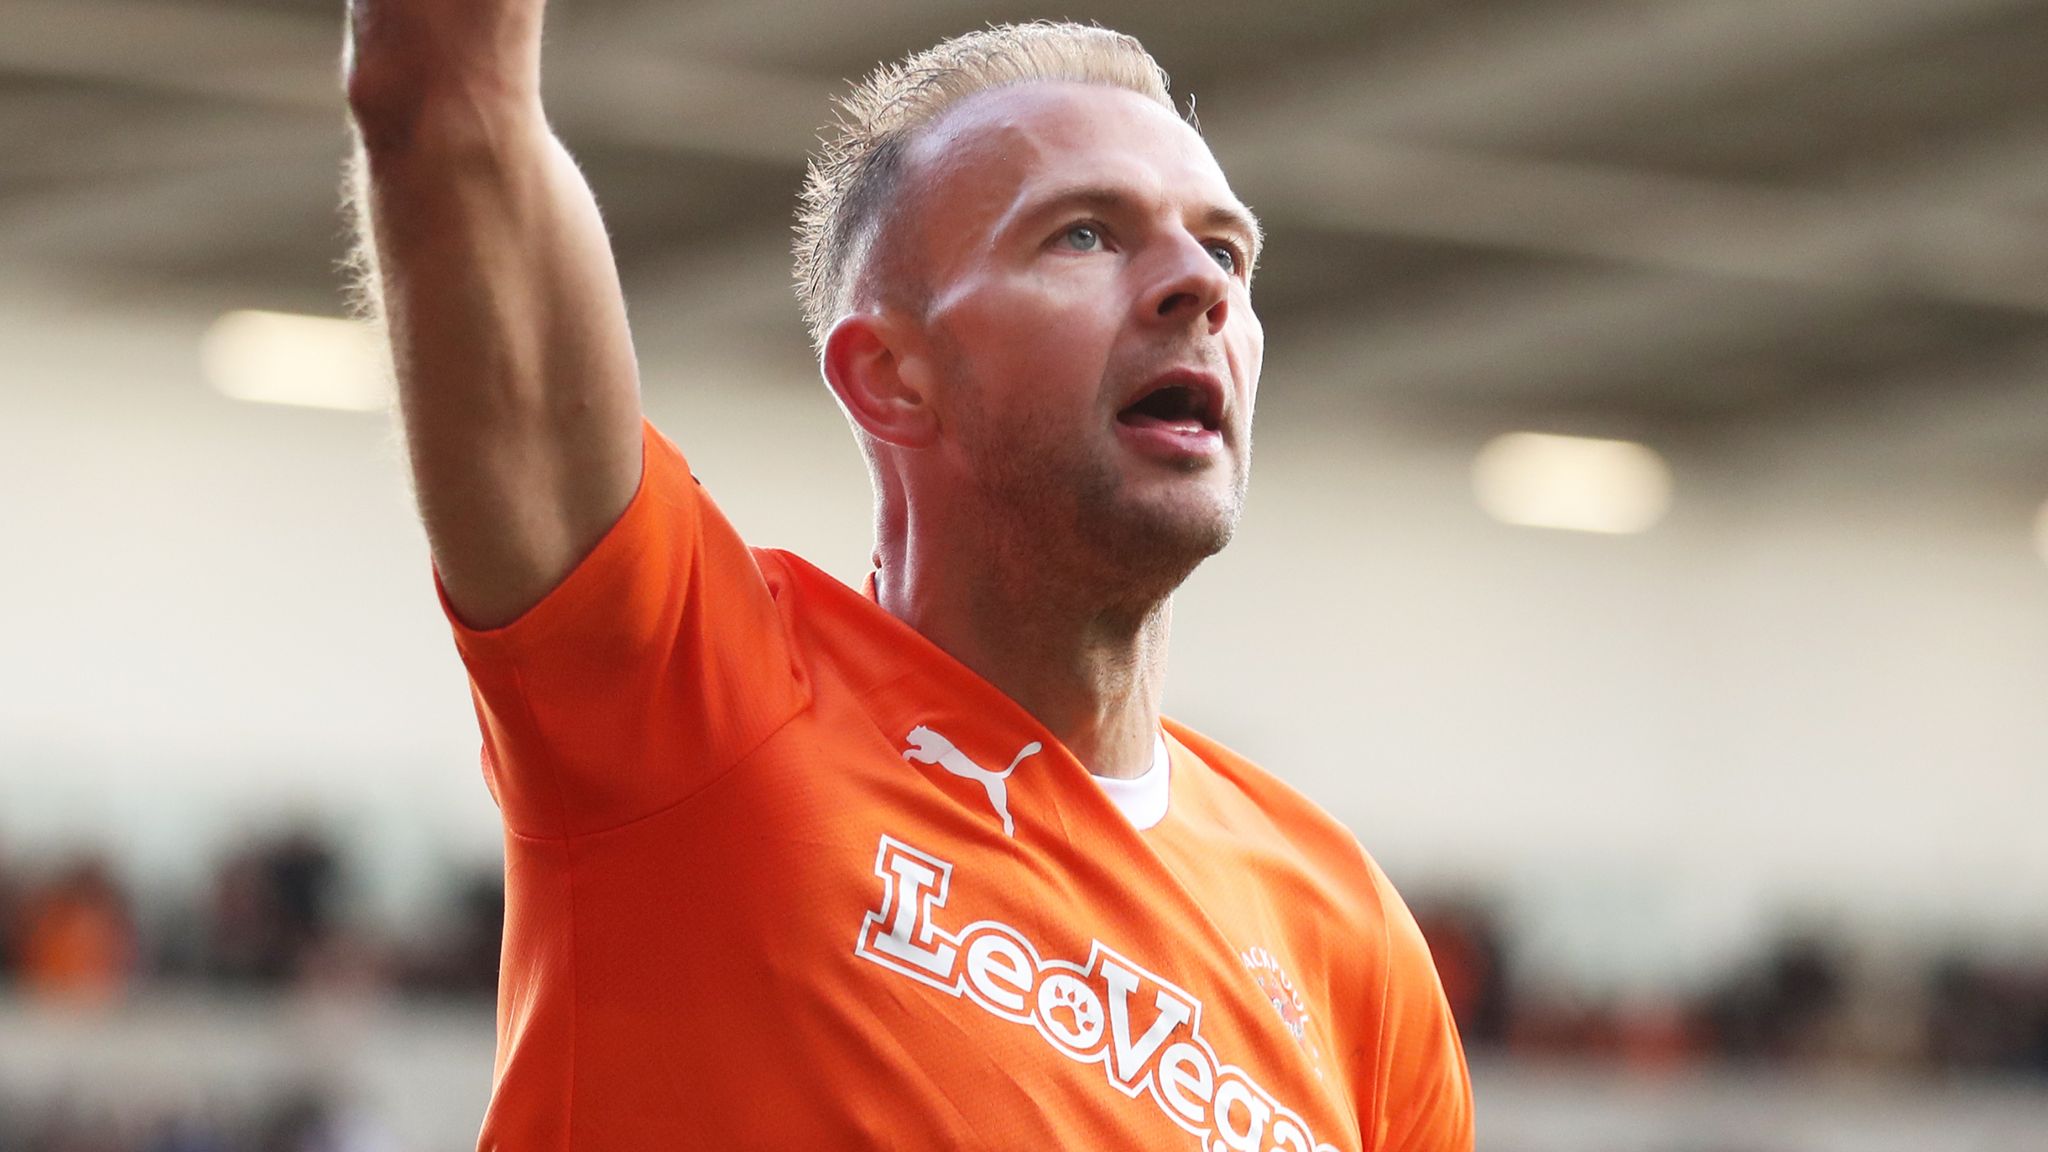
column 1088, row 324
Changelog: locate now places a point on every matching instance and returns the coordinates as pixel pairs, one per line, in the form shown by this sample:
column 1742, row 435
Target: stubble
column 1058, row 505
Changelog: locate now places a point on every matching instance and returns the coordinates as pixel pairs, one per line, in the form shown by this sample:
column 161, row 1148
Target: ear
column 884, row 390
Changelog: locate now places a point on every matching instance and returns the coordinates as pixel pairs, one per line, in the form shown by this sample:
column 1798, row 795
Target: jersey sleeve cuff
column 591, row 587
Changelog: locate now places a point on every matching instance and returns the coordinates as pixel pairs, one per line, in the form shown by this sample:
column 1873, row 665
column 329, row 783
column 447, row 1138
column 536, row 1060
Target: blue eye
column 1226, row 256
column 1082, row 238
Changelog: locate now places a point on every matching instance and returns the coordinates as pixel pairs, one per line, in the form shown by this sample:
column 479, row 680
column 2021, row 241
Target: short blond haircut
column 851, row 189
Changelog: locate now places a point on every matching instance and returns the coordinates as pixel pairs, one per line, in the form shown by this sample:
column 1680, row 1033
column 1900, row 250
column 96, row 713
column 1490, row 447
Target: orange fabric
column 761, row 895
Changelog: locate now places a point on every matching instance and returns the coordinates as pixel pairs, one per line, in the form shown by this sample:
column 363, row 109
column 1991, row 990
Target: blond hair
column 850, row 188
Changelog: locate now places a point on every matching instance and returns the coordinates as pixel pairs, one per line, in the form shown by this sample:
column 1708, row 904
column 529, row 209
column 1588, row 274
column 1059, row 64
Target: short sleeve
column 1424, row 1088
column 656, row 664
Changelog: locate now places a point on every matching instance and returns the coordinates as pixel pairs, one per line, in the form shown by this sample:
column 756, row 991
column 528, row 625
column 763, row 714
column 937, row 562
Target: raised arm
column 516, row 378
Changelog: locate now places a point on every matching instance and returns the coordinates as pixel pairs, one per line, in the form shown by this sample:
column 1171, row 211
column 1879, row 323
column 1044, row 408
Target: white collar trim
column 1143, row 800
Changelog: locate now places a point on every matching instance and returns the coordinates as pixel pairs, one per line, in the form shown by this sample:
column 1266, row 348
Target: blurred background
column 1647, row 553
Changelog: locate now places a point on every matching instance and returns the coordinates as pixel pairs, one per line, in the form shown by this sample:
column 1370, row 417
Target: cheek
column 995, row 321
column 1058, row 318
column 1035, row 346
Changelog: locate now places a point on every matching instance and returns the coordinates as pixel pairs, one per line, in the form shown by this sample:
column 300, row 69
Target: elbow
column 374, row 71
column 405, row 84
column 397, row 117
column 382, row 116
column 386, row 92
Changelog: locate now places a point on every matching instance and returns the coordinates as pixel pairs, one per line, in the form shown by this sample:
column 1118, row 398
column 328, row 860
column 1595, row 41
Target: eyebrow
column 1108, row 200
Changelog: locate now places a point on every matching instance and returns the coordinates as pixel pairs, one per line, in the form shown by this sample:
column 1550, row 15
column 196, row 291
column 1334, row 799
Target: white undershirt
column 1142, row 799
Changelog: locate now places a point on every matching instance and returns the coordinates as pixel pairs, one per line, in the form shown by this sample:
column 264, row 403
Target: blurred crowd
column 306, row 1121
column 276, row 916
column 1808, row 1000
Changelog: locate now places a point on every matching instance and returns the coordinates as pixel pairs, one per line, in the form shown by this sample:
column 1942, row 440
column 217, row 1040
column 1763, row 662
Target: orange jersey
column 782, row 874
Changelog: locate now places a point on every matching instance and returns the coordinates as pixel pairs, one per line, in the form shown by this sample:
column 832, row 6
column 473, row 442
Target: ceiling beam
column 244, row 54
column 598, row 89
column 1922, row 234
column 1918, row 232
column 1523, row 72
column 1749, row 266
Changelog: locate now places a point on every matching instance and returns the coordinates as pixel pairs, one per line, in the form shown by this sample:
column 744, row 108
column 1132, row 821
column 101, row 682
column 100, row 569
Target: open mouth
column 1176, row 405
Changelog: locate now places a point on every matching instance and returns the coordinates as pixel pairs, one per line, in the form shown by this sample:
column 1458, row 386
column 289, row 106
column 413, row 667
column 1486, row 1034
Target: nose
column 1192, row 288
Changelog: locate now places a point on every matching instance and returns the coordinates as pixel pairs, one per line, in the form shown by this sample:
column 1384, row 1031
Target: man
column 792, row 865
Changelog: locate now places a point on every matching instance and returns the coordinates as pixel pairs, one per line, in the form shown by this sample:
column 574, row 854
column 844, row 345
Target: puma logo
column 928, row 747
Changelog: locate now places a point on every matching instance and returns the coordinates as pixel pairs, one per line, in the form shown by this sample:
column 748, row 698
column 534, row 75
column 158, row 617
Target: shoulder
column 836, row 631
column 811, row 599
column 1329, row 853
column 1408, row 1060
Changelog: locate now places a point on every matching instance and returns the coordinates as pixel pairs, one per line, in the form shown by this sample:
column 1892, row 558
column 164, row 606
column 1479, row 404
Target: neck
column 1089, row 666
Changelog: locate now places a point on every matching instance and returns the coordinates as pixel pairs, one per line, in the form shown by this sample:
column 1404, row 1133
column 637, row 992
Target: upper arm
column 653, row 667
column 517, row 384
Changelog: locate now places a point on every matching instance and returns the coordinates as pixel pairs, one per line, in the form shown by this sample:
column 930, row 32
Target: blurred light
column 312, row 361
column 1573, row 483
column 2041, row 533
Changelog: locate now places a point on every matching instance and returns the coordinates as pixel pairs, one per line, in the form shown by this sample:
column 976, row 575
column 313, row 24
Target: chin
column 1161, row 542
column 1136, row 532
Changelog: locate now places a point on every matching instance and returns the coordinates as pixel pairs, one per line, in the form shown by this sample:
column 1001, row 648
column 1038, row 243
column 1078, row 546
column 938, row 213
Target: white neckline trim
column 1143, row 800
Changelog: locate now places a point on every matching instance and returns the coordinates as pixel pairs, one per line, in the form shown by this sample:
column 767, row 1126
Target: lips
column 1177, row 418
